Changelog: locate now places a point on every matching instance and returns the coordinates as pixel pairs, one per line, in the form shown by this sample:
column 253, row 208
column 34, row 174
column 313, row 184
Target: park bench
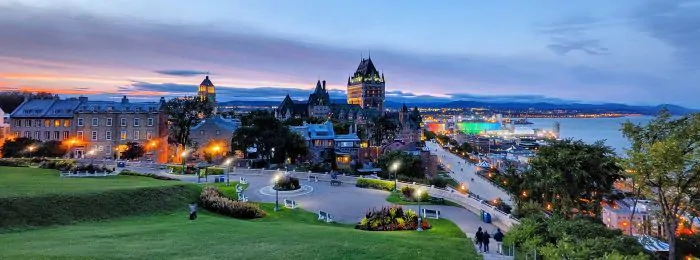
column 290, row 204
column 430, row 213
column 313, row 178
column 327, row 217
column 242, row 180
column 242, row 198
column 435, row 200
column 336, row 182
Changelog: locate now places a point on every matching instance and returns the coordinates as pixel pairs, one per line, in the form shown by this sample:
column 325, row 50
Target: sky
column 623, row 51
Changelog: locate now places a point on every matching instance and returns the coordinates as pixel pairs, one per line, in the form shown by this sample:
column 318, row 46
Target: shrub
column 61, row 165
column 215, row 171
column 287, row 183
column 390, row 219
column 61, row 209
column 91, row 168
column 150, row 175
column 211, row 199
column 439, row 182
column 15, row 162
column 408, row 193
column 375, row 184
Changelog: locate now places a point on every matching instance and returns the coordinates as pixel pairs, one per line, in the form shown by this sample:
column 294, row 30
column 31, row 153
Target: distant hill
column 581, row 107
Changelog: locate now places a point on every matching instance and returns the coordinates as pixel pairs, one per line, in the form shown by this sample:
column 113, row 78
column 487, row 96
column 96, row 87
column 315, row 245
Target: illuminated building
column 477, row 127
column 366, row 87
column 318, row 105
column 207, row 91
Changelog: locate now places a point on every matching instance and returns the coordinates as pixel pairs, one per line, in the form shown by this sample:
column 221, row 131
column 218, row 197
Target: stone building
column 45, row 119
column 103, row 128
column 408, row 123
column 208, row 91
column 366, row 87
column 213, row 136
column 318, row 105
column 4, row 128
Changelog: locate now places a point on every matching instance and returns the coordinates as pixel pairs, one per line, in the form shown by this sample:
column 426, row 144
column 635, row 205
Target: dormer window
column 57, row 111
column 151, row 109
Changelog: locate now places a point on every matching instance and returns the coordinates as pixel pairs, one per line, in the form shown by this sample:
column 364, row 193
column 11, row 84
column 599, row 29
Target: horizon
column 595, row 52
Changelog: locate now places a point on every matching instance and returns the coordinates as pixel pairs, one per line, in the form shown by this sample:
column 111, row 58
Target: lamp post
column 277, row 193
column 31, row 150
column 182, row 157
column 395, row 167
column 228, row 165
column 420, row 220
column 216, row 153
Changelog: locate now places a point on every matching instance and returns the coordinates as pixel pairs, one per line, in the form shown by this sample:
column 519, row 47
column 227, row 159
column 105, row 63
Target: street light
column 182, row 156
column 277, row 193
column 228, row 165
column 395, row 167
column 420, row 220
column 91, row 153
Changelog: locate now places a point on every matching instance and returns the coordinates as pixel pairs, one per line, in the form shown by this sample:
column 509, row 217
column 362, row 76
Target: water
column 592, row 129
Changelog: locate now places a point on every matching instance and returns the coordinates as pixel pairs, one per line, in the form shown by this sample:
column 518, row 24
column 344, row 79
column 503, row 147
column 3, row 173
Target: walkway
column 460, row 170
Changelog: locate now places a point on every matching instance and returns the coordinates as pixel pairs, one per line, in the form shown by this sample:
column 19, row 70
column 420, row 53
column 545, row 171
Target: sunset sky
column 628, row 51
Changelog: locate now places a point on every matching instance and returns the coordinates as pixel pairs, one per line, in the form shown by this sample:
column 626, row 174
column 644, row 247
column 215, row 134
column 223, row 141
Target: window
column 57, row 135
column 137, row 121
column 47, row 123
column 80, row 121
column 18, row 123
column 123, row 121
column 123, row 135
column 56, row 123
column 136, row 135
column 109, row 122
column 27, row 122
column 108, row 135
column 101, row 148
column 149, row 135
column 79, row 135
column 108, row 148
column 47, row 135
column 37, row 122
column 28, row 134
column 95, row 121
column 150, row 121
column 66, row 134
column 66, row 123
column 94, row 135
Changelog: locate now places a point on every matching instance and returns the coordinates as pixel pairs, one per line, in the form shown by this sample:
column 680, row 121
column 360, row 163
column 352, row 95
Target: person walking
column 193, row 211
column 485, row 239
column 478, row 237
column 499, row 241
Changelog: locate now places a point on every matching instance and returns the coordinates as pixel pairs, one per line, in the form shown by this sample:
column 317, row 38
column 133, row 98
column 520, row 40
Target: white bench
column 327, row 217
column 430, row 213
column 242, row 198
column 313, row 178
column 242, row 180
column 290, row 204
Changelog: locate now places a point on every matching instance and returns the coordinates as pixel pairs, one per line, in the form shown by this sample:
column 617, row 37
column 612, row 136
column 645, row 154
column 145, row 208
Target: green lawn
column 20, row 181
column 289, row 234
column 396, row 199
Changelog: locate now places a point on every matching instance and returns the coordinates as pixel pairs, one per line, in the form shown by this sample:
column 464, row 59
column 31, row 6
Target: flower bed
column 212, row 199
column 392, row 218
column 287, row 183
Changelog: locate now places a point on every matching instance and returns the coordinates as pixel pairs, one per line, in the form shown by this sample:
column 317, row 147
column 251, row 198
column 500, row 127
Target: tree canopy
column 133, row 151
column 183, row 114
column 410, row 167
column 20, row 148
column 262, row 130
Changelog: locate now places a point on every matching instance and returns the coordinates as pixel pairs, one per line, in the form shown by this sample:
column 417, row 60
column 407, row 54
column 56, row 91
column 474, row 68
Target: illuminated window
column 123, row 135
column 149, row 135
column 66, row 123
column 47, row 123
column 79, row 135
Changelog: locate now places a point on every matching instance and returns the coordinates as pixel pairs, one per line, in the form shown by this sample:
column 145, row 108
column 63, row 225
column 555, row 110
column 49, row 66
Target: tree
column 133, row 151
column 183, row 114
column 51, row 148
column 568, row 175
column 410, row 166
column 19, row 147
column 9, row 100
column 380, row 129
column 665, row 153
column 262, row 130
column 429, row 135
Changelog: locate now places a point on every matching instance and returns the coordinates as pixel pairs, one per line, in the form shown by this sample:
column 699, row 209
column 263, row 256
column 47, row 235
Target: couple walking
column 483, row 239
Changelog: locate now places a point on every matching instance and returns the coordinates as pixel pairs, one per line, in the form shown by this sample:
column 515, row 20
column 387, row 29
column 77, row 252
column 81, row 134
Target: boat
column 522, row 121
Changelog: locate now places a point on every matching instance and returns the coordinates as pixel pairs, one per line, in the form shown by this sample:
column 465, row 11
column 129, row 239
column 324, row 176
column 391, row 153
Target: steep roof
column 46, row 108
column 227, row 124
column 206, row 82
column 366, row 68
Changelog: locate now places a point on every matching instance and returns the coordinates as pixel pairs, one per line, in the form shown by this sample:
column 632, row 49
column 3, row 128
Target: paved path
column 463, row 172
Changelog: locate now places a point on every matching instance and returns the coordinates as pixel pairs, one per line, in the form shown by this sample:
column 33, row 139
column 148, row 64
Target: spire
column 404, row 108
column 318, row 86
column 206, row 82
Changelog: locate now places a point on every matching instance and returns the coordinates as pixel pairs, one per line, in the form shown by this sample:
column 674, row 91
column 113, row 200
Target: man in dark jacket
column 499, row 241
column 477, row 237
column 485, row 238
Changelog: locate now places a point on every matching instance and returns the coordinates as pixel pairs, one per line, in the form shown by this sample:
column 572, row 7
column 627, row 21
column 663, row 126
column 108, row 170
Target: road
column 463, row 172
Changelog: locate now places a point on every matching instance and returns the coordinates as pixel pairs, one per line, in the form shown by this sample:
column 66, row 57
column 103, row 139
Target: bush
column 15, row 162
column 287, row 183
column 61, row 209
column 91, row 168
column 61, row 165
column 150, row 175
column 408, row 193
column 215, row 171
column 439, row 182
column 391, row 219
column 375, row 184
column 211, row 199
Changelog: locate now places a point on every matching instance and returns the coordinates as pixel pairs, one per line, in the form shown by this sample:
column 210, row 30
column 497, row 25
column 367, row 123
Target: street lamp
column 420, row 220
column 91, row 153
column 216, row 152
column 31, row 149
column 228, row 165
column 277, row 193
column 182, row 156
column 395, row 167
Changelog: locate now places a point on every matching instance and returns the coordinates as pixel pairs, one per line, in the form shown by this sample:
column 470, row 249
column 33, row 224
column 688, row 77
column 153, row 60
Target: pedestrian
column 499, row 240
column 485, row 239
column 193, row 211
column 477, row 237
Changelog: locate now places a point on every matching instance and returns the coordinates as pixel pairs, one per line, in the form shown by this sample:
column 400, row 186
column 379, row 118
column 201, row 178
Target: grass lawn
column 289, row 234
column 396, row 199
column 20, row 181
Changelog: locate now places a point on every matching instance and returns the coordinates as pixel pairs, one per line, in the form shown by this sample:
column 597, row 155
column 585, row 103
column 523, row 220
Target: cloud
column 184, row 73
column 571, row 34
column 675, row 23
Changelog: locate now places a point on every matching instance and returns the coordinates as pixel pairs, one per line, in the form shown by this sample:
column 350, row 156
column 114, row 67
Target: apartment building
column 44, row 119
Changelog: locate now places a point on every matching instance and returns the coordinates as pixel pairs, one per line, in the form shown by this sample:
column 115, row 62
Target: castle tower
column 207, row 90
column 366, row 86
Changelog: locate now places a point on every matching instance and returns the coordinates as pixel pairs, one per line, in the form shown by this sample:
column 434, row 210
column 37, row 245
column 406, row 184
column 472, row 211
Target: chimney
column 324, row 85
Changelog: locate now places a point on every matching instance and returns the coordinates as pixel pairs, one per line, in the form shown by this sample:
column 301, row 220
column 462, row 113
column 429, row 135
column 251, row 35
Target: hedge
column 375, row 184
column 61, row 209
column 212, row 199
column 150, row 175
